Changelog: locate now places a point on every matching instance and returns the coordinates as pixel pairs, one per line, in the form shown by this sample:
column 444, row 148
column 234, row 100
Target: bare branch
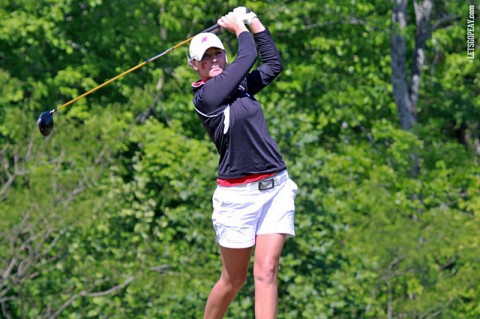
column 7, row 272
column 111, row 290
column 347, row 21
column 437, row 311
column 445, row 21
column 19, row 165
column 84, row 293
column 396, row 261
column 65, row 305
column 4, row 308
column 3, row 293
column 161, row 268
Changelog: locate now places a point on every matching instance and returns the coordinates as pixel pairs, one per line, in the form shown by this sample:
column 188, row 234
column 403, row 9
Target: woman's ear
column 193, row 64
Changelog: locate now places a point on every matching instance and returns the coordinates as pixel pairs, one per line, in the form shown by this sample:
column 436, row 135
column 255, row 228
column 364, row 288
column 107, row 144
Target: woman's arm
column 219, row 88
column 272, row 64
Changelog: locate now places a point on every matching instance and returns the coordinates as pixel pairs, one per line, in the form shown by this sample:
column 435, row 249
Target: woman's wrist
column 256, row 25
column 241, row 28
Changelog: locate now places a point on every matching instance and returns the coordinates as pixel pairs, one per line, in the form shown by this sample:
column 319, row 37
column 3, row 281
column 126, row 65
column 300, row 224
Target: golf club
column 45, row 120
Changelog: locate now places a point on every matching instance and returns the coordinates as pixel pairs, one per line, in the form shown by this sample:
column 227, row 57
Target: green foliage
column 110, row 215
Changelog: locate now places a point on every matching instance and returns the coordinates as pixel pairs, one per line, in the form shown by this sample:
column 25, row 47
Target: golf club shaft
column 215, row 26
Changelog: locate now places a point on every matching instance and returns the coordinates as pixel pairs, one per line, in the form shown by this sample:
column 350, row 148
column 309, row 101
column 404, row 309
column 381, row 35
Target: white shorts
column 242, row 212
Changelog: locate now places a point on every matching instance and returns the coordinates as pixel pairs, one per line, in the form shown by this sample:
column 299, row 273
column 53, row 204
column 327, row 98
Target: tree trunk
column 401, row 88
column 422, row 34
column 405, row 91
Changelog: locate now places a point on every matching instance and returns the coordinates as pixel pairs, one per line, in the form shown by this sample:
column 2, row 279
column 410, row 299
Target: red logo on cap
column 204, row 39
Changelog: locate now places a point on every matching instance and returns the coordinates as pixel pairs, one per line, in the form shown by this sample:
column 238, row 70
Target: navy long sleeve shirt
column 231, row 115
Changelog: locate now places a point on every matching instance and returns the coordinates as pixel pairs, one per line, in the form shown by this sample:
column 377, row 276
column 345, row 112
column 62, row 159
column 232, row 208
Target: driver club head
column 45, row 123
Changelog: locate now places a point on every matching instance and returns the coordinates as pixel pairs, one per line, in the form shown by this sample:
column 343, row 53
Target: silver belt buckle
column 266, row 184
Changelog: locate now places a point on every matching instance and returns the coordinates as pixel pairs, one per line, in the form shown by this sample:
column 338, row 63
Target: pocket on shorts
column 293, row 187
column 223, row 208
column 217, row 201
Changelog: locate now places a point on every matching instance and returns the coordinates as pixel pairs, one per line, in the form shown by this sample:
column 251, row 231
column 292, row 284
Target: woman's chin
column 215, row 72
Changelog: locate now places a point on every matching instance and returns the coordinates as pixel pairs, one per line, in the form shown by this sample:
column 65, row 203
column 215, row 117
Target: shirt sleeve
column 218, row 89
column 271, row 65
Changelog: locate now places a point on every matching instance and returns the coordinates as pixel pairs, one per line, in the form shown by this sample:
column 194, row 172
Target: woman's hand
column 232, row 23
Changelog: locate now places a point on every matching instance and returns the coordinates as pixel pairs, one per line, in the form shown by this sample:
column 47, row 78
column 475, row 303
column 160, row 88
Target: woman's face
column 212, row 64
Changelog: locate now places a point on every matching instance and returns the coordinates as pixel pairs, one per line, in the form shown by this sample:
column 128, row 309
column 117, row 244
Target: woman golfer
column 253, row 204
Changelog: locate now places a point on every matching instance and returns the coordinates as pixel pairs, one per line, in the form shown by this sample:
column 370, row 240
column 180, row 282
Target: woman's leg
column 234, row 273
column 267, row 255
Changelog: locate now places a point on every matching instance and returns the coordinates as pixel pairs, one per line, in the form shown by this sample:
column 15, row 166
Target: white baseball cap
column 201, row 43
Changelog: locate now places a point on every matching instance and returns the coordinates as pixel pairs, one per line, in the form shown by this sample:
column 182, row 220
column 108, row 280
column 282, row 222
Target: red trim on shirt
column 197, row 84
column 243, row 180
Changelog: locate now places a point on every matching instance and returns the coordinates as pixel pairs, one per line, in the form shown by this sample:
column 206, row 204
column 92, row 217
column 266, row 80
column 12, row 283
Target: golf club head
column 45, row 123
